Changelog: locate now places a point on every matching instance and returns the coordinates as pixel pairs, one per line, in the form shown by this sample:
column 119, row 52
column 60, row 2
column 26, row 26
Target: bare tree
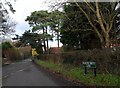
column 104, row 19
column 6, row 24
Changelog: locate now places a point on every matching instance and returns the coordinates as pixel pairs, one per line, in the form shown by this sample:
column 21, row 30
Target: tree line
column 81, row 25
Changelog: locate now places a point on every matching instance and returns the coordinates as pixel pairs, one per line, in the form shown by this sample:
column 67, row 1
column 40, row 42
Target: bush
column 25, row 52
column 14, row 54
column 6, row 45
column 107, row 60
column 56, row 58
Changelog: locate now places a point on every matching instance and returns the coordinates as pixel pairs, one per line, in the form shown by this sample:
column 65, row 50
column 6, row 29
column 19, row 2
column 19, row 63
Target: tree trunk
column 58, row 39
column 47, row 45
column 107, row 40
column 47, row 40
column 58, row 43
column 44, row 40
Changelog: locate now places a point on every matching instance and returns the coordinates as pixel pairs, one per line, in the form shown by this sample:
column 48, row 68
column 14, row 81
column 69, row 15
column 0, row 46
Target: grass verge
column 76, row 73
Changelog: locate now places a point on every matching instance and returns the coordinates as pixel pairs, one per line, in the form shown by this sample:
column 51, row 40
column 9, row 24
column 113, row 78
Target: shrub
column 6, row 45
column 107, row 60
column 14, row 54
column 56, row 58
column 25, row 52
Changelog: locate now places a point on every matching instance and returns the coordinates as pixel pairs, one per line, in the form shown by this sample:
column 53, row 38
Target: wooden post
column 95, row 71
column 85, row 70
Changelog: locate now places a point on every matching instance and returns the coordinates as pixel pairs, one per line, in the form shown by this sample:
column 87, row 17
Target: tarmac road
column 26, row 73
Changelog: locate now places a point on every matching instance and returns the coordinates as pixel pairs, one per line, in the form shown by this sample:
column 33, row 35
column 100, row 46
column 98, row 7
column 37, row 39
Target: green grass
column 76, row 73
column 49, row 65
column 100, row 79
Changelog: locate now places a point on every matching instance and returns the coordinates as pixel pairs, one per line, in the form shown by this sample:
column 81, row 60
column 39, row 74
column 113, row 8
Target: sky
column 23, row 9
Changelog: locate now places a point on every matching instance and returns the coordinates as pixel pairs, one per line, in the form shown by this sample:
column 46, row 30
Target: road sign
column 89, row 65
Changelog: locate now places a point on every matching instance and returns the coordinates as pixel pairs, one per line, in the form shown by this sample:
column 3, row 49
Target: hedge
column 107, row 60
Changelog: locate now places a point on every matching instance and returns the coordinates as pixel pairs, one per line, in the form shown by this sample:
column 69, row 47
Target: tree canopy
column 95, row 19
column 44, row 20
column 102, row 13
column 81, row 25
column 32, row 39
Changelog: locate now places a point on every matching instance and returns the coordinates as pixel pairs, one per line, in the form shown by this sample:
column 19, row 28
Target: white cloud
column 23, row 9
column 54, row 44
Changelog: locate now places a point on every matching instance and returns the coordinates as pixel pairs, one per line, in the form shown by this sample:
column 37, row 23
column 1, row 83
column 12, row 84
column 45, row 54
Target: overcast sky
column 23, row 9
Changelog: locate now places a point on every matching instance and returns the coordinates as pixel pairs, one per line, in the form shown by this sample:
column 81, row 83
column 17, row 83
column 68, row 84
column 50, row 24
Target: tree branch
column 90, row 6
column 95, row 29
column 111, row 22
column 99, row 17
column 102, row 17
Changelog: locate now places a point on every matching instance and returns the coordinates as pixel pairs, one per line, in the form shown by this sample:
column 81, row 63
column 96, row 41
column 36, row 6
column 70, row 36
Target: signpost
column 89, row 65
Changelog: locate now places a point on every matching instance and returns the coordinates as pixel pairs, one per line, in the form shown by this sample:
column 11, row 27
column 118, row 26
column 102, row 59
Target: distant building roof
column 55, row 50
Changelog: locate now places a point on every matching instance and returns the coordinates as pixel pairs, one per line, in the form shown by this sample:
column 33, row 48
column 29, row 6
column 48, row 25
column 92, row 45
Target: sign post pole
column 85, row 70
column 95, row 71
column 89, row 65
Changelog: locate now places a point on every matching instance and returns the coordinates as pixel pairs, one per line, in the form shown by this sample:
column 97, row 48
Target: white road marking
column 5, row 76
column 21, row 70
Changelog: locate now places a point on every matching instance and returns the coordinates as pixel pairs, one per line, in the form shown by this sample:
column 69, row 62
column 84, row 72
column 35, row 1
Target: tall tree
column 33, row 39
column 102, row 13
column 56, row 19
column 39, row 21
column 76, row 30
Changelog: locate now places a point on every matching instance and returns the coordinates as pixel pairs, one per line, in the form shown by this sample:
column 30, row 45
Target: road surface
column 26, row 73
